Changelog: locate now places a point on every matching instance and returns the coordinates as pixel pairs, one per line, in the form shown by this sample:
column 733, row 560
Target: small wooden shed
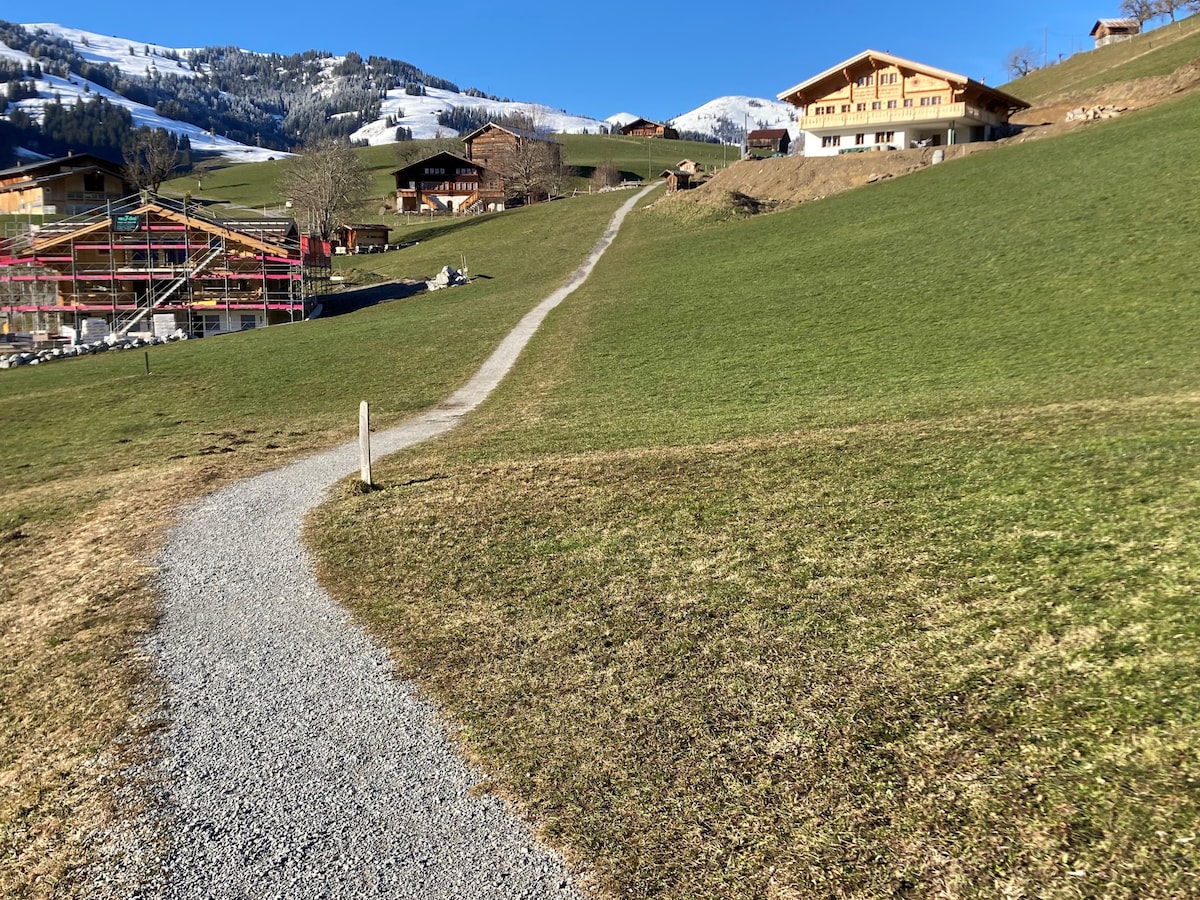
column 1109, row 31
column 677, row 180
column 769, row 140
column 362, row 238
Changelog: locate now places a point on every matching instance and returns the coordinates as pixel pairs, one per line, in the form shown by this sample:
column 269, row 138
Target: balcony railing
column 901, row 116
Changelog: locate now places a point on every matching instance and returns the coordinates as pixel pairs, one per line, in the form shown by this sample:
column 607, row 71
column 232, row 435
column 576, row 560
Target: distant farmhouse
column 447, row 182
column 646, row 128
column 1111, row 31
column 876, row 101
column 480, row 180
column 65, row 186
column 152, row 264
column 769, row 140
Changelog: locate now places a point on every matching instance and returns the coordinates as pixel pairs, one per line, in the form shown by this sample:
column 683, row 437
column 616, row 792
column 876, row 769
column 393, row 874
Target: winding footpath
column 295, row 764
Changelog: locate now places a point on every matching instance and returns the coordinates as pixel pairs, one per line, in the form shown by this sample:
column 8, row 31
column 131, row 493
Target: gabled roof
column 268, row 235
column 444, row 155
column 1115, row 24
column 516, row 132
column 74, row 162
column 767, row 134
column 875, row 56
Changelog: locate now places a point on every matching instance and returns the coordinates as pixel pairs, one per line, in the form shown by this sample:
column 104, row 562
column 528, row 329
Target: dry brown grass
column 76, row 598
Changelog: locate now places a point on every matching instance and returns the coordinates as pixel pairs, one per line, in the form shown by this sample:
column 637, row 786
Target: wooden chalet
column 361, row 238
column 150, row 263
column 647, row 129
column 68, row 186
column 446, row 182
column 769, row 140
column 1110, row 31
column 505, row 152
column 876, row 101
column 677, row 179
column 690, row 166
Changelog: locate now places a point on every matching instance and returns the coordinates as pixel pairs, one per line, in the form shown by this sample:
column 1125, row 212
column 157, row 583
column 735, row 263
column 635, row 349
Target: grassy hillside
column 843, row 552
column 1157, row 52
column 254, row 185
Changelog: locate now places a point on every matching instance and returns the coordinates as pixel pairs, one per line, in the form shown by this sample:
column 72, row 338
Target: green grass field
column 841, row 552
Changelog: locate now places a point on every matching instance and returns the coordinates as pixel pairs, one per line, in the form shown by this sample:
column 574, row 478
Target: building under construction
column 149, row 264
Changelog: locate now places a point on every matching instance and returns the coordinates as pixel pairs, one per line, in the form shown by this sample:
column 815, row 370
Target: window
column 845, row 107
column 876, row 105
column 860, row 107
column 891, row 104
column 831, row 140
column 931, row 101
column 884, row 137
column 249, row 320
column 866, row 81
column 210, row 323
column 888, row 78
column 907, row 102
column 860, row 139
column 435, row 170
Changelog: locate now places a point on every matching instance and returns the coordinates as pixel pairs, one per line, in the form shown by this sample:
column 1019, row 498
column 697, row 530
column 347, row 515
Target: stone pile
column 112, row 342
column 1095, row 113
column 448, row 277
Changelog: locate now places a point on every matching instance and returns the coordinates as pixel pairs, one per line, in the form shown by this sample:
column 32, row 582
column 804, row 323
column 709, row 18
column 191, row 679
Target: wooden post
column 147, row 362
column 364, row 442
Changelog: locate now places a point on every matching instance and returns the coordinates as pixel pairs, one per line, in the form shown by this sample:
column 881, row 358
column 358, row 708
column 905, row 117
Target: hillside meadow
column 847, row 551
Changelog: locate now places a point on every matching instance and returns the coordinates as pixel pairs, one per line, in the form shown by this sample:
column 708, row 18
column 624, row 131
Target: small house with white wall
column 1112, row 31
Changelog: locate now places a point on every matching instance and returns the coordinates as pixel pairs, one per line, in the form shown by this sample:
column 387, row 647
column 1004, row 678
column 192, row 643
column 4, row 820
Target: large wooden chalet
column 446, row 182
column 647, row 129
column 65, row 186
column 148, row 263
column 876, row 101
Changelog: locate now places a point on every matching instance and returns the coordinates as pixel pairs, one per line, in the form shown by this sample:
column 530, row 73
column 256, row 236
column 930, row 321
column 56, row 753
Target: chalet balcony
column 909, row 115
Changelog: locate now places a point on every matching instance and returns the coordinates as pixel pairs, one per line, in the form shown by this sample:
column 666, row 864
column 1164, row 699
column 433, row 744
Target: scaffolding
column 148, row 254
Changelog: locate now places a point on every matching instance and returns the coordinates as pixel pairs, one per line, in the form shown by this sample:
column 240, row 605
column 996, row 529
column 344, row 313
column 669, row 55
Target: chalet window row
column 877, row 105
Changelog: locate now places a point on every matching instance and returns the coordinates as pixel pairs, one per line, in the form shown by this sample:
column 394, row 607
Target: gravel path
column 295, row 764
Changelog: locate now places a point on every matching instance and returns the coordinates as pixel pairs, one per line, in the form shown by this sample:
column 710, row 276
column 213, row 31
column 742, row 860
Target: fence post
column 364, row 443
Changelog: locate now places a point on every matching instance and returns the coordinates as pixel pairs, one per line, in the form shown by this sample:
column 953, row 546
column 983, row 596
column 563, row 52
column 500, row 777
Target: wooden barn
column 67, row 186
column 690, row 166
column 447, row 183
column 774, row 141
column 1110, row 31
column 647, row 129
column 505, row 150
column 677, row 179
column 149, row 262
column 361, row 238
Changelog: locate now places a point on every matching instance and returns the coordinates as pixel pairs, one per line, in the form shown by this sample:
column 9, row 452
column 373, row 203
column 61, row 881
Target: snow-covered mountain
column 413, row 109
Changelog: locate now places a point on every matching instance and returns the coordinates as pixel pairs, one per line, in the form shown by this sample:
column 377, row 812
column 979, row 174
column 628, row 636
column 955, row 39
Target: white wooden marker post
column 364, row 442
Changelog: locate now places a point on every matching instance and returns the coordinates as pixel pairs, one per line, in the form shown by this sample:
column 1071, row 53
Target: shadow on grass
column 361, row 298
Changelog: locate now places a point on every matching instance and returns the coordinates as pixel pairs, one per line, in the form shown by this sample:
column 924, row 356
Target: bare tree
column 150, row 158
column 1142, row 10
column 325, row 182
column 606, row 174
column 1171, row 7
column 533, row 169
column 1021, row 61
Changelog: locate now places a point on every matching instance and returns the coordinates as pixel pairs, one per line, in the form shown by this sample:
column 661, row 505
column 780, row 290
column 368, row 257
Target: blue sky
column 653, row 60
